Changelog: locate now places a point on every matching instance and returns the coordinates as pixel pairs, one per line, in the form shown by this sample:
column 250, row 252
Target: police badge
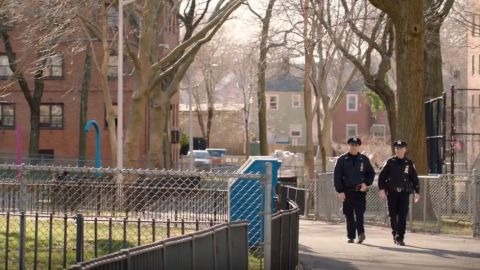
column 406, row 169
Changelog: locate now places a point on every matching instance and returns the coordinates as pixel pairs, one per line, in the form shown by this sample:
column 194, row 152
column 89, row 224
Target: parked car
column 201, row 159
column 217, row 155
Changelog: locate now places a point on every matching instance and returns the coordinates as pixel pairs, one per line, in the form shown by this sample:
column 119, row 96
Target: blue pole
column 98, row 162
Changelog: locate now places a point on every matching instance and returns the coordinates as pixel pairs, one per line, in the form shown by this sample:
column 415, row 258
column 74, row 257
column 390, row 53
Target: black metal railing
column 223, row 246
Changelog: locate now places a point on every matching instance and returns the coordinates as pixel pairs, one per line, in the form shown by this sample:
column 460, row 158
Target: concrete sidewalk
column 324, row 246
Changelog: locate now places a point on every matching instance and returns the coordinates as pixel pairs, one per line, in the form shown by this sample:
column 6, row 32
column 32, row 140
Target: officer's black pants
column 398, row 211
column 353, row 208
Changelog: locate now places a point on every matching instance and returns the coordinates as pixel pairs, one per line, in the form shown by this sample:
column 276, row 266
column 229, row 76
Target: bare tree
column 245, row 73
column 98, row 29
column 409, row 23
column 436, row 12
column 40, row 30
column 262, row 67
column 158, row 75
column 377, row 42
column 212, row 65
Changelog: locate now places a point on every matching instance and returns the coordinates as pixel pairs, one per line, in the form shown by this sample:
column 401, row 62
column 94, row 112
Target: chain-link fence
column 448, row 204
column 52, row 217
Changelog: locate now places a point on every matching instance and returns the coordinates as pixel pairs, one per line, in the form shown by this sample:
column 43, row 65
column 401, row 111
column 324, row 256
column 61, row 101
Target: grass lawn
column 62, row 250
column 62, row 236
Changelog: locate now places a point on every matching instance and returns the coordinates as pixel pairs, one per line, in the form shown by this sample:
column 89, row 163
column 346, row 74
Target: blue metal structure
column 246, row 196
column 98, row 161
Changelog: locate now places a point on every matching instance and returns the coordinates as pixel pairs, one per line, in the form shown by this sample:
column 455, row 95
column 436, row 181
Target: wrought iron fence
column 448, row 204
column 221, row 247
column 42, row 209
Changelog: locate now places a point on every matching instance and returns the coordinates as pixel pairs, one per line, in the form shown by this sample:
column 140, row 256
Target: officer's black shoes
column 361, row 238
column 350, row 241
column 397, row 240
column 400, row 243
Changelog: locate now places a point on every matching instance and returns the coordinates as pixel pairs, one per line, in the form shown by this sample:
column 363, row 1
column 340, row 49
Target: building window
column 475, row 25
column 295, row 130
column 296, row 102
column 272, row 102
column 352, row 102
column 352, row 130
column 53, row 66
column 51, row 116
column 112, row 66
column 7, row 115
column 378, row 131
column 5, row 71
column 473, row 65
column 112, row 17
column 46, row 154
column 115, row 110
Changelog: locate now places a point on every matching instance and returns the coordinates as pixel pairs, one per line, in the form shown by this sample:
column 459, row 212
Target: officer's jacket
column 350, row 171
column 398, row 174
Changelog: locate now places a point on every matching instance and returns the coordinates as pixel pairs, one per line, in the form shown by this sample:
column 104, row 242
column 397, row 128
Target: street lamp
column 121, row 3
column 190, row 133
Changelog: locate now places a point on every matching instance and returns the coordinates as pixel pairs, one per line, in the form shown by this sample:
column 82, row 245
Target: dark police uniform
column 350, row 172
column 398, row 178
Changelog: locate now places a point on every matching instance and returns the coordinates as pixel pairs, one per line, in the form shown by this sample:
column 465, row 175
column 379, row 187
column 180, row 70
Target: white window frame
column 378, row 125
column 347, row 126
column 113, row 66
column 269, row 107
column 296, row 101
column 355, row 97
column 53, row 66
column 5, row 66
column 296, row 128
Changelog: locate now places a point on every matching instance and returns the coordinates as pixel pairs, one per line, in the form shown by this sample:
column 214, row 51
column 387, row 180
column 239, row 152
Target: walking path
column 324, row 246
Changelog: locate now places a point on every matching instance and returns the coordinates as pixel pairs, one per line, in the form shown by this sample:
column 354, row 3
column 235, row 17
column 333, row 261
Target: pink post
column 19, row 136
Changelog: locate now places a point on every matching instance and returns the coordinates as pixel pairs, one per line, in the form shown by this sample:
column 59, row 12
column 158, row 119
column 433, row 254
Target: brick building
column 60, row 109
column 354, row 117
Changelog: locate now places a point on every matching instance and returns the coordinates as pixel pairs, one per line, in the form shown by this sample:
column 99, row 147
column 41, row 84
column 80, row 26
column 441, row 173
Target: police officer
column 398, row 178
column 353, row 173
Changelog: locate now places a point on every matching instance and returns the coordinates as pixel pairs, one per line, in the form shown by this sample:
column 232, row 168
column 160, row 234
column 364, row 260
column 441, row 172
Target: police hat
column 354, row 140
column 399, row 143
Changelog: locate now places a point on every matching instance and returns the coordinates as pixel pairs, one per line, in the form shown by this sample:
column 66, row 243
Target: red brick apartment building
column 60, row 109
column 354, row 117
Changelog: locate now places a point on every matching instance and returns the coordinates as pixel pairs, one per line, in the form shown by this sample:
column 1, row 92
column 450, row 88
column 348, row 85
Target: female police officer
column 397, row 179
column 353, row 173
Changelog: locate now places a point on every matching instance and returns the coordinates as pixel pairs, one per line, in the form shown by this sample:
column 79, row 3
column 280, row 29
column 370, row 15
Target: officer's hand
column 416, row 197
column 363, row 188
column 382, row 194
column 341, row 196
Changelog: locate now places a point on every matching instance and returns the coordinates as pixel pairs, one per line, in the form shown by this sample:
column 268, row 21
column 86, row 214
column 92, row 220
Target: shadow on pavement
column 311, row 260
column 432, row 251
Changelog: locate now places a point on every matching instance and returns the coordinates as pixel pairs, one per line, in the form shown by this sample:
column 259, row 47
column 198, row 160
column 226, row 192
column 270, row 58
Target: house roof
column 284, row 83
column 356, row 86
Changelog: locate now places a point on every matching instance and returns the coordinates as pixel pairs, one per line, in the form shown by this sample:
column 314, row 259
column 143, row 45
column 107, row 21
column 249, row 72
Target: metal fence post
column 267, row 216
column 80, row 238
column 475, row 219
column 426, row 187
column 22, row 208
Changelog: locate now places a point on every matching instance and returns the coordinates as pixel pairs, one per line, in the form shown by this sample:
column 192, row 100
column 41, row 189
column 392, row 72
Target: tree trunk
column 159, row 106
column 409, row 34
column 87, row 75
column 262, row 108
column 135, row 128
column 321, row 154
column 247, row 140
column 327, row 135
column 433, row 62
column 262, row 67
column 307, row 91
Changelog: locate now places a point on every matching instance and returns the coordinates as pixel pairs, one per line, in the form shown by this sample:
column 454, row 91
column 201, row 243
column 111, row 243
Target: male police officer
column 398, row 178
column 353, row 173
